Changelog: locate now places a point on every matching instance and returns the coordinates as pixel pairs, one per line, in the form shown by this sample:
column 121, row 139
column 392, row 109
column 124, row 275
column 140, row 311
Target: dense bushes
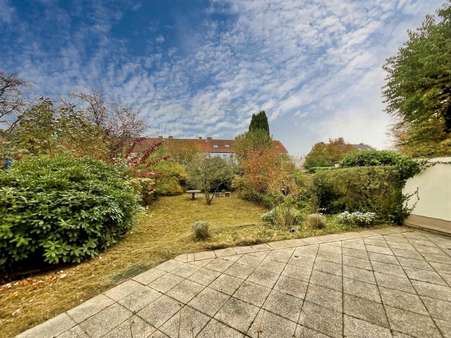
column 170, row 178
column 365, row 189
column 284, row 215
column 61, row 210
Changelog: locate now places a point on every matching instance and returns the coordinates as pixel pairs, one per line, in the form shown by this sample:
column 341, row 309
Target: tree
column 257, row 140
column 209, row 174
column 259, row 122
column 11, row 102
column 327, row 154
column 418, row 86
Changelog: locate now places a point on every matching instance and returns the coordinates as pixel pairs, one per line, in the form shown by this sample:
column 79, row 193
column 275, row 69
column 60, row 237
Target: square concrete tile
column 362, row 289
column 302, row 272
column 283, row 305
column 445, row 327
column 358, row 274
column 321, row 319
column 390, row 269
column 75, row 332
column 365, row 309
column 358, row 253
column 240, row 270
column 219, row 264
column 357, row 328
column 204, row 255
column 272, row 266
column 292, row 286
column 185, row 270
column 204, row 276
column 219, row 330
column 124, row 289
column 264, row 277
column 185, row 291
column 402, row 300
column 252, row 293
column 325, row 297
column 208, row 301
column 149, row 276
column 252, row 259
column 268, row 325
column 165, row 282
column 328, row 267
column 442, row 268
column 379, row 249
column 387, row 259
column 425, row 276
column 237, row 314
column 138, row 299
column 305, row 332
column 160, row 311
column 357, row 262
column 407, row 253
column 394, row 282
column 225, row 252
column 133, row 327
column 105, row 320
column 432, row 290
column 438, row 309
column 281, row 256
column 226, row 284
column 185, row 323
column 414, row 264
column 89, row 308
column 50, row 328
column 412, row 323
column 327, row 280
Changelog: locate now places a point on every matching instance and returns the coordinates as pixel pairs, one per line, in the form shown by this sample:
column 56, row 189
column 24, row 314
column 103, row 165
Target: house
column 214, row 147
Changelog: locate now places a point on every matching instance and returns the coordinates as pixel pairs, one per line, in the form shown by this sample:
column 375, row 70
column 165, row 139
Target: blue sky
column 202, row 67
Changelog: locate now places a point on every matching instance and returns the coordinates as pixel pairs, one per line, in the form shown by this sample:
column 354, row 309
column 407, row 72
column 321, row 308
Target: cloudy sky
column 202, row 67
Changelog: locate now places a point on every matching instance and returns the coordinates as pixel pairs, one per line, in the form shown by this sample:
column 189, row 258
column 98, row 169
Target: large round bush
column 61, row 209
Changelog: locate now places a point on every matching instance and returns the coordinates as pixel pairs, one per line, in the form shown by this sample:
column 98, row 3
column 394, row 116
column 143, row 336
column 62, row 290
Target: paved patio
column 393, row 282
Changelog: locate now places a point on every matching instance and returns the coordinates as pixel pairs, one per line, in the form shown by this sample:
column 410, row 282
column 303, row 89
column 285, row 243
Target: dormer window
column 215, row 146
column 227, row 145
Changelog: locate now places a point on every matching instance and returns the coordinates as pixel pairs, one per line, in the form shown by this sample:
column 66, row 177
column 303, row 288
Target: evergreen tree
column 259, row 122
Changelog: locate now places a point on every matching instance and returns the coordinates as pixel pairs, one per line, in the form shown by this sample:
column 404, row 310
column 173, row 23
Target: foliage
column 11, row 102
column 209, row 174
column 283, row 215
column 257, row 140
column 406, row 166
column 170, row 177
column 61, row 209
column 200, row 231
column 357, row 218
column 365, row 189
column 327, row 154
column 259, row 122
column 181, row 152
column 418, row 87
column 316, row 221
column 145, row 187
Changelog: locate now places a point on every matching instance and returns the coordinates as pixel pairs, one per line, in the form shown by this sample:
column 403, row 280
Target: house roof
column 208, row 145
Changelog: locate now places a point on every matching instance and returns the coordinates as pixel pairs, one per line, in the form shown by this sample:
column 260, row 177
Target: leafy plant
column 316, row 221
column 200, row 230
column 62, row 209
column 327, row 154
column 357, row 218
column 284, row 215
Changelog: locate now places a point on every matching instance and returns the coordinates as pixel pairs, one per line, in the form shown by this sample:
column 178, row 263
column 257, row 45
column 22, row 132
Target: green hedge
column 61, row 209
column 365, row 189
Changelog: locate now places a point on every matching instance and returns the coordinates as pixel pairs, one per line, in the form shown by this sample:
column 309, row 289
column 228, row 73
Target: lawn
column 161, row 232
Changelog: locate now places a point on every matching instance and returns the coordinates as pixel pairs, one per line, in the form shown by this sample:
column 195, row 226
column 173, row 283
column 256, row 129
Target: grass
column 162, row 232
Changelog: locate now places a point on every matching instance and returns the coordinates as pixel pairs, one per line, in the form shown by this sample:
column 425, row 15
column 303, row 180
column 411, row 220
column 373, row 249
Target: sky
column 202, row 67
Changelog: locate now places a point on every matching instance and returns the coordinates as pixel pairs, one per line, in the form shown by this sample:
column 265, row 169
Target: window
column 215, row 146
column 227, row 145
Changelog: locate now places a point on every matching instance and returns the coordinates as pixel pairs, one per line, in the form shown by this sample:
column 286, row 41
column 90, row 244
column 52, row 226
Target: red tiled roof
column 208, row 145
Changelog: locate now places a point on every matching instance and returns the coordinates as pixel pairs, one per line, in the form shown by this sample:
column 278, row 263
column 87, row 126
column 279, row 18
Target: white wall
column 434, row 190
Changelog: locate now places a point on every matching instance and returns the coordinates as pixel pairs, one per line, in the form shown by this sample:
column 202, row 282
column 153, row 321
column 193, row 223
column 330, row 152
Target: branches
column 11, row 102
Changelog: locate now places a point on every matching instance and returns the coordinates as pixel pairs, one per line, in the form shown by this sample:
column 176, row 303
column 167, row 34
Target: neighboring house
column 214, row 147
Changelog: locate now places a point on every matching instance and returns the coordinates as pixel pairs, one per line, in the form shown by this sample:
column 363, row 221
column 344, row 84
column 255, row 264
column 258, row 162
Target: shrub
column 61, row 209
column 366, row 189
column 357, row 218
column 283, row 215
column 170, row 178
column 145, row 187
column 200, row 230
column 316, row 221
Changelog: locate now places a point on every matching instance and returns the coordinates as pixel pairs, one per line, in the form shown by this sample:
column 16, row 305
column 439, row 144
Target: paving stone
column 240, row 270
column 160, row 311
column 402, row 300
column 305, row 332
column 361, row 289
column 327, row 280
column 321, row 319
column 208, row 301
column 165, row 282
column 237, row 314
column 425, row 276
column 124, row 289
column 302, row 272
column 105, row 320
column 185, row 323
column 407, row 253
column 379, row 249
column 357, row 262
column 137, row 300
column 225, row 252
column 358, row 274
column 412, row 264
column 272, row 266
column 75, row 332
column 353, row 244
column 355, row 253
column 185, row 291
column 133, row 327
column 170, row 265
column 204, row 255
column 215, row 329
column 218, row 264
column 226, row 284
column 388, row 268
column 264, row 277
column 281, row 256
column 283, row 305
column 443, row 258
column 158, row 334
column 268, row 325
column 204, row 276
column 89, row 308
column 445, row 327
column 357, row 328
column 325, row 297
column 252, row 293
column 442, row 268
column 433, row 290
column 292, row 286
column 387, row 259
column 329, row 267
column 50, row 328
column 148, row 276
column 394, row 282
column 365, row 309
column 438, row 309
column 411, row 323
column 185, row 270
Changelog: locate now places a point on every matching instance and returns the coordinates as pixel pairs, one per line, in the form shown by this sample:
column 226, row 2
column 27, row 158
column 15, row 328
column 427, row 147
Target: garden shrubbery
column 61, row 209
